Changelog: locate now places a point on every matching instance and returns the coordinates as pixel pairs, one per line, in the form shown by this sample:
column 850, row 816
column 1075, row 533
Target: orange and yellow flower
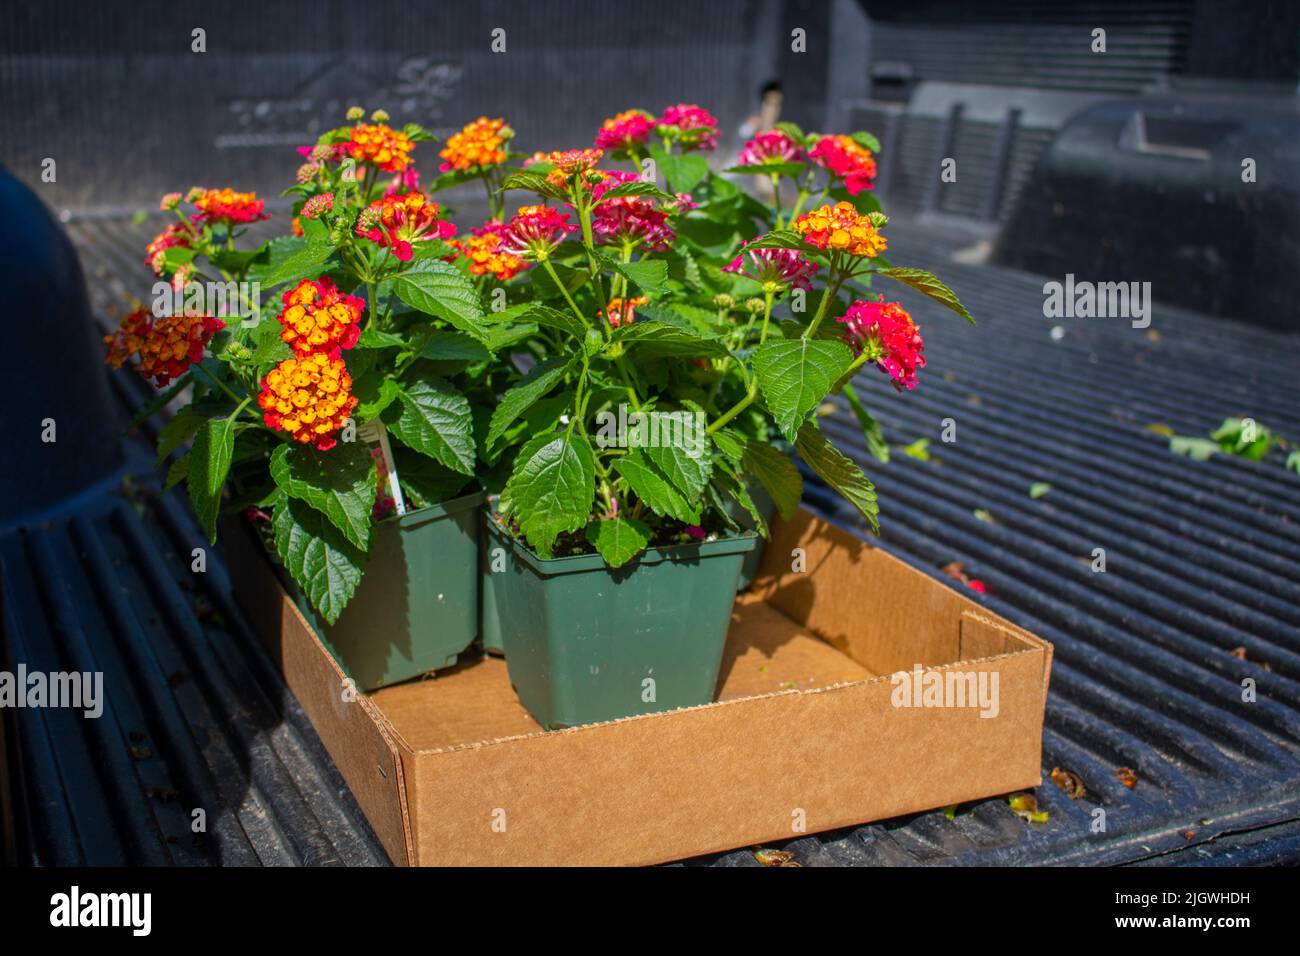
column 841, row 228
column 175, row 236
column 478, row 145
column 309, row 397
column 485, row 255
column 318, row 318
column 395, row 222
column 622, row 312
column 165, row 347
column 570, row 162
column 383, row 147
column 228, row 207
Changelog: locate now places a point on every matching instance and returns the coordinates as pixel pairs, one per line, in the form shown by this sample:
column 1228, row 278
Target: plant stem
column 776, row 199
column 833, row 282
column 752, row 393
column 550, row 269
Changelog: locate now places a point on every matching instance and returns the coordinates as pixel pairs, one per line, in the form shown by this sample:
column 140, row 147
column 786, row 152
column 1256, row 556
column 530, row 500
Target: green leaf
column 374, row 338
column 778, row 475
column 435, row 419
column 430, row 481
column 738, row 491
column 654, row 488
column 178, row 472
column 1197, row 449
column 838, row 472
column 374, row 394
column 533, row 182
column 1293, row 462
column 636, row 188
column 793, row 170
column 439, row 289
column 866, row 140
column 539, row 380
column 158, row 402
column 552, row 487
column 919, row 449
column 682, row 172
column 291, row 259
column 551, row 318
column 928, row 284
column 1038, row 489
column 268, row 348
column 445, row 346
column 794, row 376
column 656, row 339
column 209, row 463
column 339, row 483
column 794, row 132
column 876, row 443
column 688, row 473
column 650, row 274
column 730, row 444
column 618, row 540
column 783, row 239
column 177, row 431
column 325, row 564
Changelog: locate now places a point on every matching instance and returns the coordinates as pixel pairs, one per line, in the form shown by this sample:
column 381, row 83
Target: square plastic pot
column 416, row 609
column 586, row 643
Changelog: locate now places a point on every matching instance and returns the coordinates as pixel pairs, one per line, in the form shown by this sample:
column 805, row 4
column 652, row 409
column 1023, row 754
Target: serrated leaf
column 552, row 487
column 793, row 131
column 730, row 444
column 838, row 472
column 539, row 380
column 431, row 482
column 653, row 488
column 618, row 540
column 269, row 348
column 866, row 140
column 435, row 419
column 178, row 430
column 736, row 488
column 687, row 472
column 440, row 289
column 795, row 375
column 374, row 395
column 178, row 472
column 650, row 274
column 444, row 346
column 291, row 259
column 636, row 188
column 783, row 239
column 533, row 182
column 778, row 475
column 209, row 463
column 682, row 172
column 317, row 556
column 875, row 438
column 928, row 284
column 657, row 338
column 374, row 338
column 339, row 483
column 550, row 318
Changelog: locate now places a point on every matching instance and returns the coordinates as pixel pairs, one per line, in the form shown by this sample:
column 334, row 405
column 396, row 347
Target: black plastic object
column 1199, row 197
column 59, row 423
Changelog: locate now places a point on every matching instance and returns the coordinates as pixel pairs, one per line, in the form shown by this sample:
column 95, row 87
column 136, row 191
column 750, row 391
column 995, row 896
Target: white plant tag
column 374, row 433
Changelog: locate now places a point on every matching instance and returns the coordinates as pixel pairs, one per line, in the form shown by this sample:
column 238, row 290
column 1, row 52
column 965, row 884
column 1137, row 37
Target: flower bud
column 754, row 305
column 307, row 172
column 724, row 301
column 379, row 116
column 169, row 202
column 355, row 113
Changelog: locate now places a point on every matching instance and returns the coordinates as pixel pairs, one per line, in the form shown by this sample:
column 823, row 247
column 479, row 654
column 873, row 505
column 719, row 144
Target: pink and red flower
column 776, row 269
column 847, row 158
column 888, row 336
column 534, row 232
column 771, row 147
column 692, row 126
column 633, row 219
column 626, row 132
column 175, row 236
column 394, row 222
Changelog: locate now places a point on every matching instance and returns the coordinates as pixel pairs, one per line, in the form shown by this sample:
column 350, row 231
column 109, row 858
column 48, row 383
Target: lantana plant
column 623, row 362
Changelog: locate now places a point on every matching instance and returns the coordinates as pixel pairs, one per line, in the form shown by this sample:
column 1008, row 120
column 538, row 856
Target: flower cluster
column 227, row 206
column 847, row 158
column 309, row 397
column 383, row 147
column 770, row 147
column 622, row 311
column 315, row 207
column 318, row 318
column 632, row 219
column 627, row 132
column 175, row 236
column 478, row 145
column 692, row 126
column 395, row 222
column 486, row 257
column 777, row 269
column 535, row 232
column 841, row 228
column 888, row 336
column 569, row 163
column 165, row 347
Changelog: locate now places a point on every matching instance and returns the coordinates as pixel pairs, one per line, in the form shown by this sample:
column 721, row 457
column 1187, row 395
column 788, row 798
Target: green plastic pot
column 489, row 619
column 416, row 609
column 586, row 643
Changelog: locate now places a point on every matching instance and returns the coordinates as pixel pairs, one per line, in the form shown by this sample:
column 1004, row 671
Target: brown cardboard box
column 805, row 735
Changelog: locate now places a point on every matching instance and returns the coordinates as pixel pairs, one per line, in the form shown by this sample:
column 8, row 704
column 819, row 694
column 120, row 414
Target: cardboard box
column 808, row 732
